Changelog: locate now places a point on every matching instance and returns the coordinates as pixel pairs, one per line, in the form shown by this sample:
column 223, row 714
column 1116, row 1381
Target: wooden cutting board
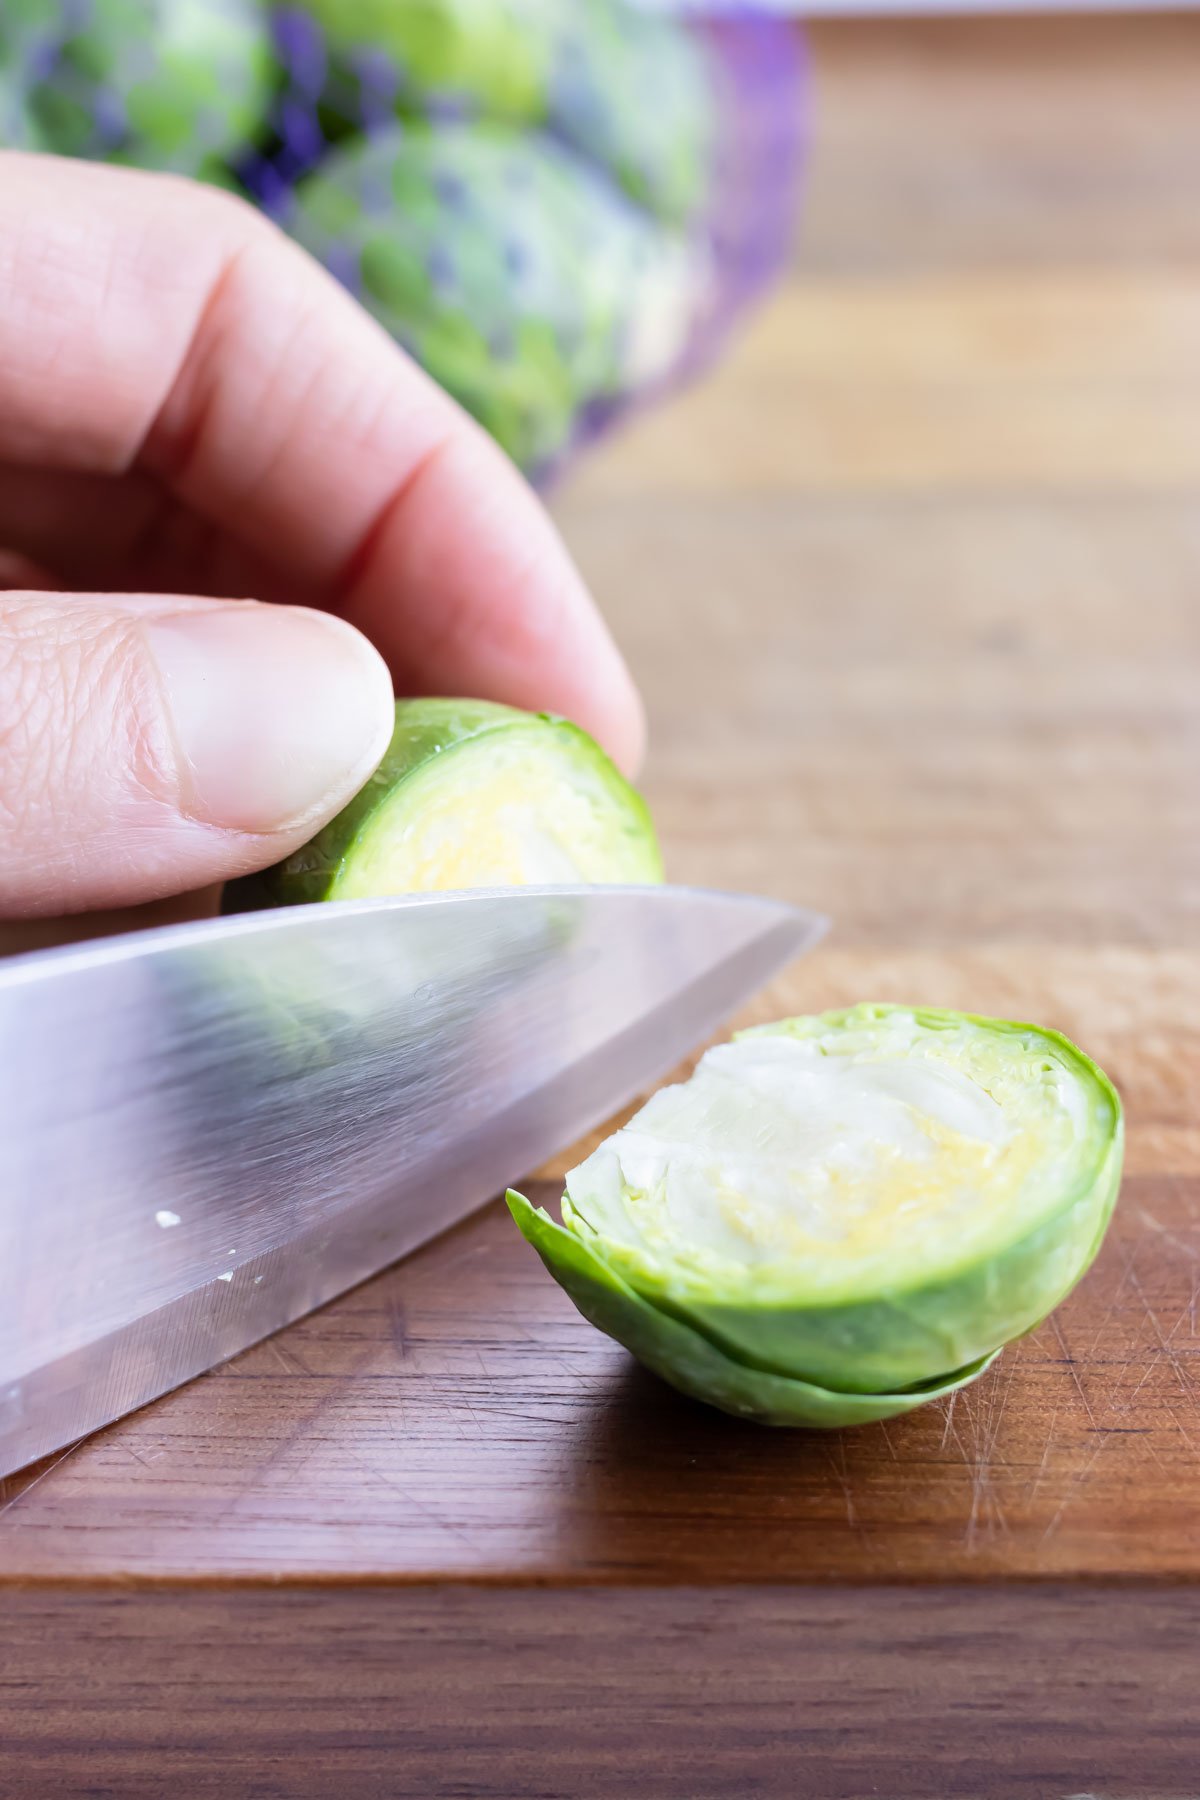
column 913, row 586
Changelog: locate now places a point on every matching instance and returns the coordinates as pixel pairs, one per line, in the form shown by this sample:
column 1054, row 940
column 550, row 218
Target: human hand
column 190, row 407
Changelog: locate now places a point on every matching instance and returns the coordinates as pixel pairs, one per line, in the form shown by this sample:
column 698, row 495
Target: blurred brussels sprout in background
column 637, row 94
column 167, row 84
column 514, row 272
column 17, row 130
column 633, row 92
column 367, row 61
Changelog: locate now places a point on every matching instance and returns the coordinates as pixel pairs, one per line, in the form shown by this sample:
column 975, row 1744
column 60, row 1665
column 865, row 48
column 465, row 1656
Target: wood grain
column 911, row 585
column 707, row 1694
column 939, row 384
column 984, row 143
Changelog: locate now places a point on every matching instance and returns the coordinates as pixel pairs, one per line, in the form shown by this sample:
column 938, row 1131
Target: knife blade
column 207, row 1130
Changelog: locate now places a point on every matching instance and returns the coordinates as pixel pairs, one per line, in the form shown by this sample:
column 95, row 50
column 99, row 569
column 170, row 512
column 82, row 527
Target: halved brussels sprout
column 865, row 1205
column 470, row 795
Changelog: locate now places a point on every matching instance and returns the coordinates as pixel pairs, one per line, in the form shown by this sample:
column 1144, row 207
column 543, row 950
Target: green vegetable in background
column 632, row 92
column 636, row 95
column 554, row 205
column 511, row 270
column 489, row 56
column 17, row 130
column 165, row 84
column 838, row 1218
column 471, row 795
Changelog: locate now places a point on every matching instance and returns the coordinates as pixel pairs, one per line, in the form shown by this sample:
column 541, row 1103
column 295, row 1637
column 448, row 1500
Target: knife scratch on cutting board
column 1166, row 1349
column 985, row 1415
column 1076, row 1378
column 840, row 1473
column 1076, row 1481
column 7, row 1506
column 1156, row 1354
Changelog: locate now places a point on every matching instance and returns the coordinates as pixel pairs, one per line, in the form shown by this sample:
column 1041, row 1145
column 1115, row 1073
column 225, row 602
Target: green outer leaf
column 424, row 729
column 689, row 1361
column 889, row 1340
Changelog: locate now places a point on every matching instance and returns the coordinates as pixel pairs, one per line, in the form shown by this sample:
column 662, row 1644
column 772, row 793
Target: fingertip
column 629, row 735
column 279, row 713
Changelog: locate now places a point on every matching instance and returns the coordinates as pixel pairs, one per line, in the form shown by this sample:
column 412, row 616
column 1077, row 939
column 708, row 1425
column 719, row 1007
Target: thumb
column 150, row 745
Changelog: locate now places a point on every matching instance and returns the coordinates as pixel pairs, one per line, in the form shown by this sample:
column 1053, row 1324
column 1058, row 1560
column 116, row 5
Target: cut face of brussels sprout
column 505, row 814
column 808, row 1161
column 864, row 1200
column 472, row 795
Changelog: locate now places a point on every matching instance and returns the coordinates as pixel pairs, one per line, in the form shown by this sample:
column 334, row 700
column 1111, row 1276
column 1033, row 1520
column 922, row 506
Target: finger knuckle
column 218, row 210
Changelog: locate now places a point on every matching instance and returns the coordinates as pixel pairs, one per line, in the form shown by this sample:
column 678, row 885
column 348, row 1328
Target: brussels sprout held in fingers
column 471, row 794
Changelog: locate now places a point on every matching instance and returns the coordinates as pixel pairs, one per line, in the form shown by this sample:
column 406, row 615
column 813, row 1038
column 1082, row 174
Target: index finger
column 149, row 324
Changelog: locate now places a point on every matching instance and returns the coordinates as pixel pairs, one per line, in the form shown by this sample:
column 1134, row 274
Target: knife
column 207, row 1130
